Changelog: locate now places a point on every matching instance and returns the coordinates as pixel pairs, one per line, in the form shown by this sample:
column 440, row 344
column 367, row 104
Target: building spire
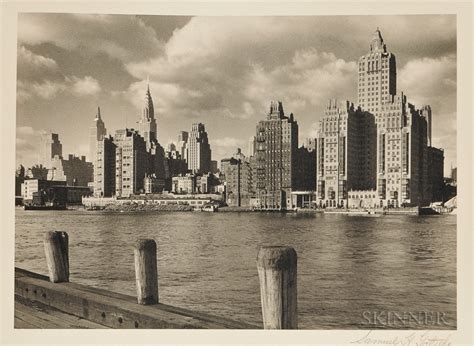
column 148, row 110
column 377, row 41
column 98, row 113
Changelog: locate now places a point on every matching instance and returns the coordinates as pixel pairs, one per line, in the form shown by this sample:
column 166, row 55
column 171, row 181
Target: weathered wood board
column 104, row 308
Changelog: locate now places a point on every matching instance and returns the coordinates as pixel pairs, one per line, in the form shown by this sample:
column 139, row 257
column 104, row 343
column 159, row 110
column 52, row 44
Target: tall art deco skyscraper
column 375, row 154
column 50, row 147
column 97, row 133
column 377, row 75
column 277, row 145
column 147, row 122
column 401, row 130
column 198, row 149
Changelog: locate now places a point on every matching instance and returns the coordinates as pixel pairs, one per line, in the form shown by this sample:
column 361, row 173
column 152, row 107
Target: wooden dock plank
column 35, row 318
column 164, row 307
column 43, row 316
column 20, row 324
column 112, row 309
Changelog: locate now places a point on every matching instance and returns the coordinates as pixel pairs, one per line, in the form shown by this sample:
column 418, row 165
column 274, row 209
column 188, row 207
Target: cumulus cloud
column 36, row 67
column 427, row 78
column 85, row 86
column 218, row 68
column 433, row 81
column 48, row 89
column 123, row 37
column 307, row 82
column 40, row 76
column 35, row 60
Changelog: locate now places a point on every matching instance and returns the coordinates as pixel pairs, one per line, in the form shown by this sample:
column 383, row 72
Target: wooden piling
column 277, row 267
column 146, row 271
column 57, row 255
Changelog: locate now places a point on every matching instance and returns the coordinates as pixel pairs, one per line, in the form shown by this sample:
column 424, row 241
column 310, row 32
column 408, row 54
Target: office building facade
column 198, row 150
column 104, row 168
column 50, row 147
column 277, row 144
column 345, row 153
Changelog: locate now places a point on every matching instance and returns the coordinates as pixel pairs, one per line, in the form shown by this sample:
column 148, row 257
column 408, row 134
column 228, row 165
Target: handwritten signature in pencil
column 427, row 338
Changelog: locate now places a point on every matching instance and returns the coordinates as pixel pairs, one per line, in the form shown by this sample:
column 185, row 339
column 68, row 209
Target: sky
column 221, row 71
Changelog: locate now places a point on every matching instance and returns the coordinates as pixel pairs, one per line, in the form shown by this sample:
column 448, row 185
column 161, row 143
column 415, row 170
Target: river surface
column 350, row 269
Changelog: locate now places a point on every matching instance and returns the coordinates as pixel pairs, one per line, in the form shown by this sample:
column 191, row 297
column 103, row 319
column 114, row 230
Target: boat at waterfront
column 210, row 208
column 356, row 212
column 44, row 207
column 365, row 214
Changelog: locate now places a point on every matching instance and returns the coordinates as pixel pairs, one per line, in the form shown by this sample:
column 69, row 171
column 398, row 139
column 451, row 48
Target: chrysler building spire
column 148, row 110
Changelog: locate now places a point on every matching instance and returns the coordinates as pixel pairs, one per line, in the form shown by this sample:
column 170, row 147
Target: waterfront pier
column 52, row 302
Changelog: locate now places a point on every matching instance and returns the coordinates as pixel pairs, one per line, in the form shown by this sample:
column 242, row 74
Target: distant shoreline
column 133, row 207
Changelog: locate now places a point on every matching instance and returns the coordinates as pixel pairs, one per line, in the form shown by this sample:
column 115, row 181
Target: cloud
column 85, row 86
column 36, row 67
column 48, row 89
column 226, row 146
column 40, row 76
column 433, row 81
column 122, row 37
column 204, row 74
column 28, row 141
column 306, row 83
column 427, row 78
column 38, row 61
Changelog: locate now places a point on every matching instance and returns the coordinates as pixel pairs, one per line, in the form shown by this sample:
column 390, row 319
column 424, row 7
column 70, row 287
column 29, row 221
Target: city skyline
column 196, row 75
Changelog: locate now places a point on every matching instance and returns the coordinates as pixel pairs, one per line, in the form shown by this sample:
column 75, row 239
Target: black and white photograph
column 240, row 172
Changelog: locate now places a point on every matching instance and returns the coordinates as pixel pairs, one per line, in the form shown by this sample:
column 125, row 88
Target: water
column 206, row 261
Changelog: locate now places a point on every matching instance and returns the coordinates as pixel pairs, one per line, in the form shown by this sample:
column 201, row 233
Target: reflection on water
column 346, row 265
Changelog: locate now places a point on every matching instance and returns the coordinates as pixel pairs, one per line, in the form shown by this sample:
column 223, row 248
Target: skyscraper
column 147, row 122
column 401, row 131
column 401, row 154
column 377, row 75
column 199, row 151
column 148, row 130
column 181, row 144
column 96, row 133
column 104, row 168
column 277, row 144
column 50, row 147
column 346, row 153
column 132, row 162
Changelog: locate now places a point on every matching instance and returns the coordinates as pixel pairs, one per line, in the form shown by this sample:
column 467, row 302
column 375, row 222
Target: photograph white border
column 463, row 10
